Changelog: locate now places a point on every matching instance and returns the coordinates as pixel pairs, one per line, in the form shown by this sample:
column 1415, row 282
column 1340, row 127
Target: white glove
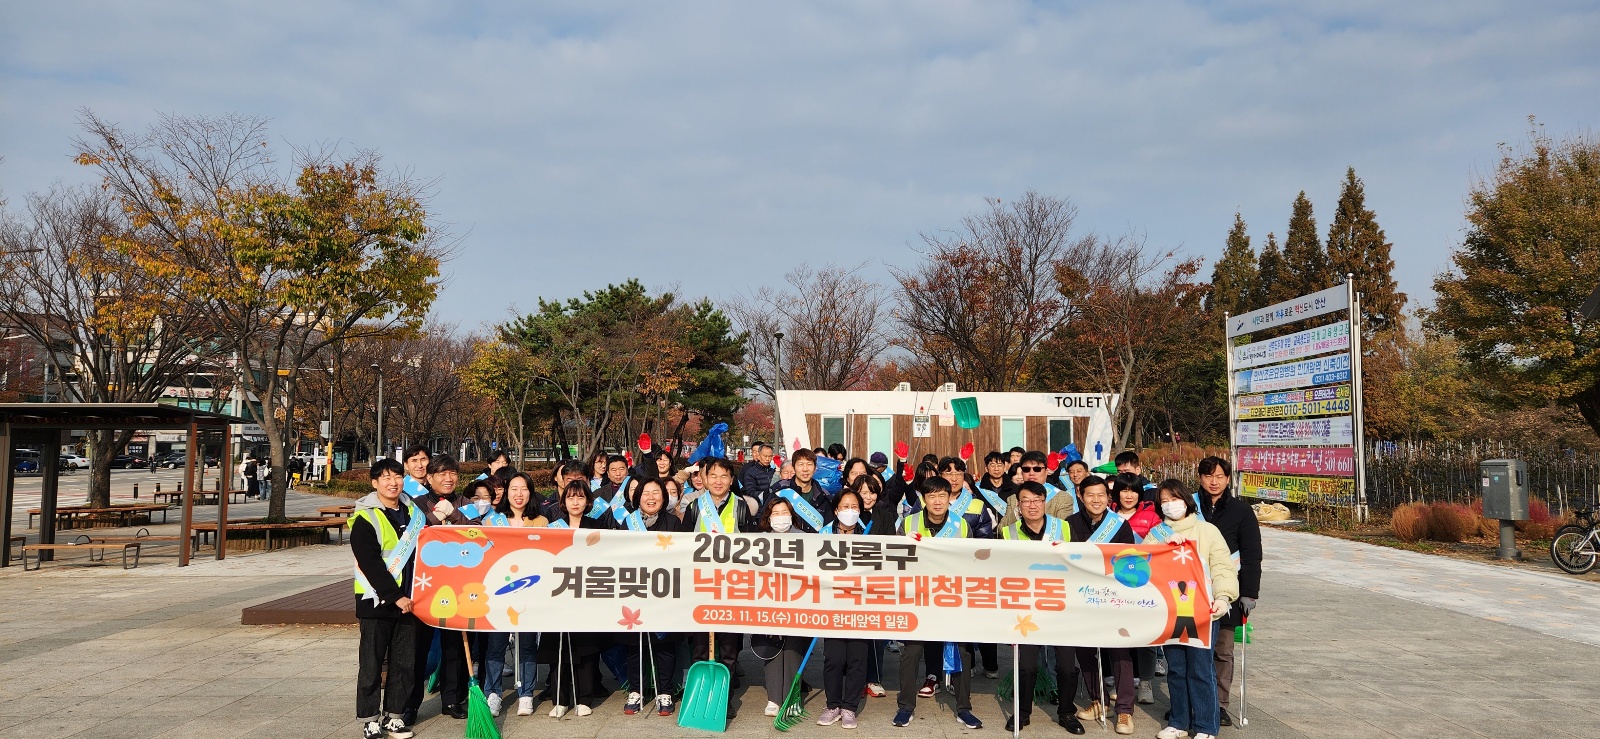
column 443, row 509
column 1219, row 606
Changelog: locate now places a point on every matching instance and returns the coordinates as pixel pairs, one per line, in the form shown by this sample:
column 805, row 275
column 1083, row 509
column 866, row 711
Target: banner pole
column 1233, row 408
column 1016, row 692
column 1353, row 315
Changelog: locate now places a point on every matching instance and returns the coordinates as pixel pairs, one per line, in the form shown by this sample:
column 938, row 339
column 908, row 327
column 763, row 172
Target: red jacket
column 1143, row 519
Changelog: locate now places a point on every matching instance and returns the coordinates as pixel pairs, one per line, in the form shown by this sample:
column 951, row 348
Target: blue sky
column 714, row 146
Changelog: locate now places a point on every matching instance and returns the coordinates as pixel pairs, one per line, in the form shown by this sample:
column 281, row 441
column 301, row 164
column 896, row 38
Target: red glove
column 628, row 456
column 966, row 452
column 1053, row 461
column 902, row 451
column 644, row 443
column 910, row 473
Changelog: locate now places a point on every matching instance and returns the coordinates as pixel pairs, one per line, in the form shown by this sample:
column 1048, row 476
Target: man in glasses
column 1058, row 503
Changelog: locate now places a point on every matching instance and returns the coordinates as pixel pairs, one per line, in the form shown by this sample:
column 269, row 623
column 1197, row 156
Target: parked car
column 75, row 462
column 124, row 461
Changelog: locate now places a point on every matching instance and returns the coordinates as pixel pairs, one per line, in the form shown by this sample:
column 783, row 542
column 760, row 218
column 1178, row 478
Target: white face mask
column 1174, row 509
column 781, row 524
column 483, row 507
column 849, row 517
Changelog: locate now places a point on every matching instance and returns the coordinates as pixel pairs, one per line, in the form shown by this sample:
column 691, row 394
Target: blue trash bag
column 828, row 475
column 1071, row 452
column 712, row 446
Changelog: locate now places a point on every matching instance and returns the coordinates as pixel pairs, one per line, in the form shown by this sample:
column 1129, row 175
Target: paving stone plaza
column 1352, row 641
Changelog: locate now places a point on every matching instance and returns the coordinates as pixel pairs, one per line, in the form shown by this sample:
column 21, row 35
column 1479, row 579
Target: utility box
column 1505, row 489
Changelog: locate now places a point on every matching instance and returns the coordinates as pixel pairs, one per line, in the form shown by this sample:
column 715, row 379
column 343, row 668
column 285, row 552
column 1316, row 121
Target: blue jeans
column 494, row 662
column 1192, row 686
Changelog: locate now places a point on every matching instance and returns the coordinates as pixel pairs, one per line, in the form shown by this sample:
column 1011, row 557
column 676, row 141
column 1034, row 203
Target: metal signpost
column 1295, row 403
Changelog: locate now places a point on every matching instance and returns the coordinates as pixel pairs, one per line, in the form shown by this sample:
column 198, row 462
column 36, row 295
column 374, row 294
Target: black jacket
column 755, row 480
column 366, row 545
column 1237, row 522
column 1082, row 528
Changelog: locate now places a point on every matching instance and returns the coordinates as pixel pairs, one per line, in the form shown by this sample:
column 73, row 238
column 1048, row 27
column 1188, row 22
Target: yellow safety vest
column 387, row 537
column 918, row 524
column 729, row 515
column 1014, row 531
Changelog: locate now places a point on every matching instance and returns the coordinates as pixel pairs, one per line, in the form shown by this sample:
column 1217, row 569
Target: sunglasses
column 1032, row 469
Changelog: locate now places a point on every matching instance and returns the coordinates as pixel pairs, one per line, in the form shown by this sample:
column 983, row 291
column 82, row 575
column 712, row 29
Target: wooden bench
column 337, row 511
column 92, row 547
column 205, row 531
column 17, row 541
column 67, row 517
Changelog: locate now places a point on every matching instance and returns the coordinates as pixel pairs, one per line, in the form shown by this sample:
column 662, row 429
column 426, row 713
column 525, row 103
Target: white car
column 75, row 462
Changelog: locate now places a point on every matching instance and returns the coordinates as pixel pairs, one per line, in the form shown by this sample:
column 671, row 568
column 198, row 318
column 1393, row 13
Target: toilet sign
column 921, row 427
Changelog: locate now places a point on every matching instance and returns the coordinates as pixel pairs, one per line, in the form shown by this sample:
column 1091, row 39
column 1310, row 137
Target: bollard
column 136, row 490
column 158, row 487
column 1508, row 541
column 180, row 487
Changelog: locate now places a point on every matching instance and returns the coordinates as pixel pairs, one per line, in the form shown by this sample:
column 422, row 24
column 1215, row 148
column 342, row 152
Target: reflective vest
column 729, row 515
column 918, row 523
column 1052, row 526
column 388, row 538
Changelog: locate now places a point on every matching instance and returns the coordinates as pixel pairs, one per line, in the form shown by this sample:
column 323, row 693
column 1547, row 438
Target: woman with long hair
column 782, row 654
column 517, row 508
column 575, row 657
column 657, row 650
column 845, row 660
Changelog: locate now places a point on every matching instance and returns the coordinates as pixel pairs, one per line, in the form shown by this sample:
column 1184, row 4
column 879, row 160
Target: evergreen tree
column 1305, row 263
column 1272, row 284
column 1356, row 245
column 1235, row 284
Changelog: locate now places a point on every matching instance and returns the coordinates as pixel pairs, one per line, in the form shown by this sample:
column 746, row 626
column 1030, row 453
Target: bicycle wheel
column 1572, row 550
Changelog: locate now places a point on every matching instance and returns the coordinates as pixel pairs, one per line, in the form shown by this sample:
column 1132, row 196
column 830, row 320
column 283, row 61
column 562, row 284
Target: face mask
column 483, row 507
column 1174, row 509
column 781, row 524
column 849, row 517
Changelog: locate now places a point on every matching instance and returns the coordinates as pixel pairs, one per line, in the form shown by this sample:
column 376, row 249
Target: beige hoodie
column 1209, row 542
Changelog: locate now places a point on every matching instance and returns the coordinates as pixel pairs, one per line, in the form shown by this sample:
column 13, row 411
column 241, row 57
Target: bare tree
column 832, row 323
column 986, row 295
column 114, row 331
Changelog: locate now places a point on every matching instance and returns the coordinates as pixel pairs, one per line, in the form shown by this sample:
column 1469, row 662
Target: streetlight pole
column 328, row 463
column 777, row 384
column 381, row 446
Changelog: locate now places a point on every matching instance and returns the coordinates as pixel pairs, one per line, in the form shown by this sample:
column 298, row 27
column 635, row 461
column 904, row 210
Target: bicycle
column 1576, row 546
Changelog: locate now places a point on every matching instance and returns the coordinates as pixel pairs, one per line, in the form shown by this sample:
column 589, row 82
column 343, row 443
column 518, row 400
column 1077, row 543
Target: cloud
column 717, row 145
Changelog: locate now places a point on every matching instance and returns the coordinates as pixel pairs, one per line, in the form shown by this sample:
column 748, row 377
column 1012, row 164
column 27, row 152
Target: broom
column 480, row 724
column 792, row 710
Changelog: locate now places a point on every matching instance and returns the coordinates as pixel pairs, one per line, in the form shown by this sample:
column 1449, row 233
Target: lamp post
column 379, row 433
column 777, row 384
column 329, row 462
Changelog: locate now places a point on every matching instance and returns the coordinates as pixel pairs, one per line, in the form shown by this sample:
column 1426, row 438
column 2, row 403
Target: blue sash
column 1197, row 513
column 595, row 484
column 599, row 508
column 864, row 529
column 710, row 519
column 959, row 506
column 1107, row 528
column 1160, row 532
column 994, row 499
column 619, row 502
column 952, row 525
column 635, row 521
column 413, row 488
column 401, row 554
column 560, row 523
column 802, row 508
column 1050, row 492
column 495, row 518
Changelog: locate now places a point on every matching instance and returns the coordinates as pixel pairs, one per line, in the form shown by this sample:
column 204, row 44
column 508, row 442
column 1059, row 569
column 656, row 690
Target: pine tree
column 1356, row 245
column 1235, row 284
column 1305, row 263
column 1271, row 284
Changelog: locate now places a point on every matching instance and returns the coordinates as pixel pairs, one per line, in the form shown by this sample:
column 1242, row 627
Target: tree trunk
column 103, row 445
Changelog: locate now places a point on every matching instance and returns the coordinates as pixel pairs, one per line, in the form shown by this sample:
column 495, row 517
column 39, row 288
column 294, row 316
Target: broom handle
column 467, row 649
column 807, row 658
column 711, row 646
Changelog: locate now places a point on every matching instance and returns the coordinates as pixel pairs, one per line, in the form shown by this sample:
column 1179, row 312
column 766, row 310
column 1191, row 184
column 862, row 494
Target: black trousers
column 911, row 656
column 664, row 679
column 728, row 646
column 844, row 671
column 575, row 681
column 452, row 666
column 390, row 641
column 1066, row 677
column 991, row 656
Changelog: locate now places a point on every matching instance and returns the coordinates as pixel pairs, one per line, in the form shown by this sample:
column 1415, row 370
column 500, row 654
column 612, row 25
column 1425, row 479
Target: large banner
column 1296, row 489
column 1327, row 460
column 1008, row 592
column 1289, row 311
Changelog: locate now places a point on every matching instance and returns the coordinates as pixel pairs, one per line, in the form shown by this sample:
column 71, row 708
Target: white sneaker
column 1161, row 666
column 1204, row 736
column 525, row 706
column 583, row 710
column 1146, row 694
column 560, row 711
column 772, row 709
column 1171, row 733
column 494, row 704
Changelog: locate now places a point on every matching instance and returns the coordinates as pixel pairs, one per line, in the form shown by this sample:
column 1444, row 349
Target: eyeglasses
column 1032, row 469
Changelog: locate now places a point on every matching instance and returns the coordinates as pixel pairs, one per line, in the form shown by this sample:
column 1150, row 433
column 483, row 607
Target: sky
column 711, row 147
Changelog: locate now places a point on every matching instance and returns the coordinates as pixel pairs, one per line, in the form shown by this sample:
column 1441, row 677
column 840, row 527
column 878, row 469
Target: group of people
column 1016, row 495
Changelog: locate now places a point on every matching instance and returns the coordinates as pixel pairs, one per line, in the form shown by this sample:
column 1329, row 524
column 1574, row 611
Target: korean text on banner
column 1296, row 489
column 1305, row 373
column 1336, row 431
column 1308, row 343
column 1296, row 408
column 513, row 579
column 1332, row 460
column 1305, row 306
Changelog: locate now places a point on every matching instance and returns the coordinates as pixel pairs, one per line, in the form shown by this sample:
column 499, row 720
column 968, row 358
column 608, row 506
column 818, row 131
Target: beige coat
column 1209, row 542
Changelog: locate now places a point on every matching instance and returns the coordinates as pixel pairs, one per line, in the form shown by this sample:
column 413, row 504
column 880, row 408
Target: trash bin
column 1504, row 485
